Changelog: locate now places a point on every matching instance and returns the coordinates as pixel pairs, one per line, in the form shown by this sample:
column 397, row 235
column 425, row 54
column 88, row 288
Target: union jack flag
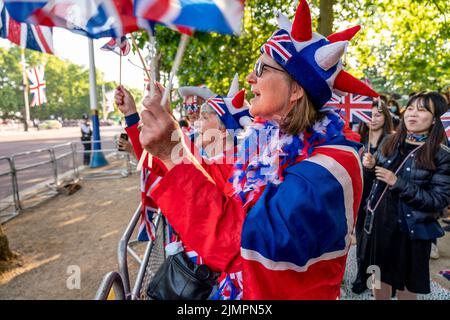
column 218, row 104
column 25, row 35
column 222, row 16
column 280, row 44
column 95, row 19
column 356, row 108
column 120, row 47
column 147, row 229
column 445, row 118
column 37, row 87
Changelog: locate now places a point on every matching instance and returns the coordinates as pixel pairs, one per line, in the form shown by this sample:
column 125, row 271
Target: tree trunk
column 326, row 17
column 5, row 252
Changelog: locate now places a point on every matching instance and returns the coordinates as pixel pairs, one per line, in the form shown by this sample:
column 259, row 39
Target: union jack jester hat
column 190, row 94
column 232, row 110
column 313, row 60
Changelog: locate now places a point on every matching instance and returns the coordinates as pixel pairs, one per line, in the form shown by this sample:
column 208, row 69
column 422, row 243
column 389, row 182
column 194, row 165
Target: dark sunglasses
column 259, row 68
column 191, row 108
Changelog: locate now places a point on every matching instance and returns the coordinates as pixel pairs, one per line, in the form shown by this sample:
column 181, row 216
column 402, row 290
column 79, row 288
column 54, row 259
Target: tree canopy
column 403, row 45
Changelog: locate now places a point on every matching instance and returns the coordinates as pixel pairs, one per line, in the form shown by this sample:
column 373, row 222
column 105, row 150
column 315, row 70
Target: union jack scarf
column 266, row 152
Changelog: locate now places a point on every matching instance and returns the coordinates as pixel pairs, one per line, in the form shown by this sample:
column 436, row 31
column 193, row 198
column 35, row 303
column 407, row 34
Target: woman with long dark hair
column 412, row 167
column 380, row 126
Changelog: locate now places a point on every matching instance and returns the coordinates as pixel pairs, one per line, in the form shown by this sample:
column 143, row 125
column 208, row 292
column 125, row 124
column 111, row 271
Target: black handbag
column 178, row 278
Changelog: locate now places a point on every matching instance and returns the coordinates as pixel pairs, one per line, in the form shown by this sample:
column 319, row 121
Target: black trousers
column 87, row 154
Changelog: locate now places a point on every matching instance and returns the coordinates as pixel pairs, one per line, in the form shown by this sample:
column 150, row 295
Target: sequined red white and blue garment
column 293, row 241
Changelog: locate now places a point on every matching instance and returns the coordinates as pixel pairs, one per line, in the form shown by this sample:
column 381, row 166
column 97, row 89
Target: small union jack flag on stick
column 356, row 107
column 119, row 46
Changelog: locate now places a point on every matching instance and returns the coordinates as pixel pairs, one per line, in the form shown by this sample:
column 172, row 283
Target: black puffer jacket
column 424, row 193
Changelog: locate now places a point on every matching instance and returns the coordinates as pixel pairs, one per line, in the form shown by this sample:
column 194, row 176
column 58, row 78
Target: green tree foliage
column 402, row 47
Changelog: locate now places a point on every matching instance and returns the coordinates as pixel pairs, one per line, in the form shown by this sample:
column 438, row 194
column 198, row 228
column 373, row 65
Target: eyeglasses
column 259, row 68
column 191, row 108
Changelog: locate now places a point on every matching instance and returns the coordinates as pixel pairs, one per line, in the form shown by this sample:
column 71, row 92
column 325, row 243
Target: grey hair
column 207, row 109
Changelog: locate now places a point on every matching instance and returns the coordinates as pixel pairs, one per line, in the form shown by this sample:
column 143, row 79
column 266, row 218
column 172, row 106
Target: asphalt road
column 18, row 142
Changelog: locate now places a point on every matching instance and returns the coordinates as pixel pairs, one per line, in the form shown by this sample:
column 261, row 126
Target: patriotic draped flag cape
column 37, row 86
column 445, row 119
column 292, row 249
column 25, row 35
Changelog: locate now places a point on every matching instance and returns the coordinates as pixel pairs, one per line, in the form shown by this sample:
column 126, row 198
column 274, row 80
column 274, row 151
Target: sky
column 74, row 47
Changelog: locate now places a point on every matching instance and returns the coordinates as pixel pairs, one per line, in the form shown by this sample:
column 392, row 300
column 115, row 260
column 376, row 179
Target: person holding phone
column 123, row 144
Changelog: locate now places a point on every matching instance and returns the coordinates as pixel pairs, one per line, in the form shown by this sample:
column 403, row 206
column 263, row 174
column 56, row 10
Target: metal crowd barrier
column 51, row 167
column 37, row 185
column 66, row 161
column 8, row 196
column 110, row 154
column 111, row 288
column 154, row 256
column 150, row 262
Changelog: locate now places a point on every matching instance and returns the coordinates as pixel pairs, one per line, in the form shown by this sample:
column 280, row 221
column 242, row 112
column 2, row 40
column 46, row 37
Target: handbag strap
column 385, row 188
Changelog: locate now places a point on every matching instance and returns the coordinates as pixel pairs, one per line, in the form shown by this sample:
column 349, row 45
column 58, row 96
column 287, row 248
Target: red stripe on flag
column 216, row 107
column 38, row 85
column 124, row 10
column 42, row 18
column 281, row 38
column 279, row 48
column 43, row 39
column 14, row 31
column 157, row 10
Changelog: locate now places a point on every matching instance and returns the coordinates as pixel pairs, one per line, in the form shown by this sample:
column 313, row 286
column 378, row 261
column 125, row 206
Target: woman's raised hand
column 124, row 101
column 368, row 161
column 160, row 132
